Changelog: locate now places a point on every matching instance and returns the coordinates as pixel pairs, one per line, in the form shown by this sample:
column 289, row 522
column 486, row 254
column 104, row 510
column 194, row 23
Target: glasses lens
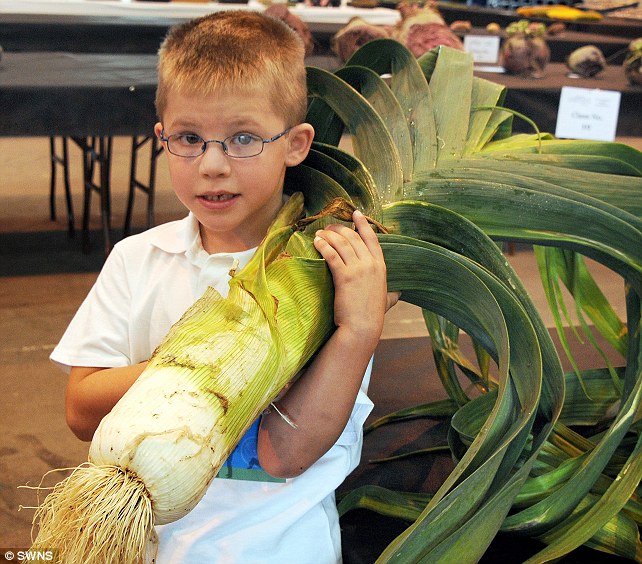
column 243, row 145
column 185, row 145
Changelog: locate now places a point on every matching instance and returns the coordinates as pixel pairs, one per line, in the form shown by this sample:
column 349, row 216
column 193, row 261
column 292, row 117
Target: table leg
column 105, row 191
column 63, row 161
column 135, row 183
column 97, row 152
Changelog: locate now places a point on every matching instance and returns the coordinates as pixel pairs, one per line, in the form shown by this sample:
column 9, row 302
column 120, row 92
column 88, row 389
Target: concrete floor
column 36, row 308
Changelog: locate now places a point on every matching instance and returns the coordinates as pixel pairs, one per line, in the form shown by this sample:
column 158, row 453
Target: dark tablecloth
column 81, row 94
column 71, row 94
column 613, row 47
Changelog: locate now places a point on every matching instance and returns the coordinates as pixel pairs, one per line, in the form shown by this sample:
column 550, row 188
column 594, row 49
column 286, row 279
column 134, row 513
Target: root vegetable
column 586, row 61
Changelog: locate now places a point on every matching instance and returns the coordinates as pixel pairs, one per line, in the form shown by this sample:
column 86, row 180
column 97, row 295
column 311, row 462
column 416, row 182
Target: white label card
column 586, row 113
column 483, row 48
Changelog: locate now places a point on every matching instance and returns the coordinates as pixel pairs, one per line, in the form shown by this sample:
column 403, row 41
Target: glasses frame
column 223, row 144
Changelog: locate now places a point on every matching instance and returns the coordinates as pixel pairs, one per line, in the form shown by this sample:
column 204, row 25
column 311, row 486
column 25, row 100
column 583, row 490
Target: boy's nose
column 214, row 162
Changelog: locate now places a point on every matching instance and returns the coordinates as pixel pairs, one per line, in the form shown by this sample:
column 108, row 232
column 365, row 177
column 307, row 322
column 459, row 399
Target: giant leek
column 153, row 456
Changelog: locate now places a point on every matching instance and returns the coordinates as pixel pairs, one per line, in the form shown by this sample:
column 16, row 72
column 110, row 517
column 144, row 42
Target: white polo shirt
column 246, row 516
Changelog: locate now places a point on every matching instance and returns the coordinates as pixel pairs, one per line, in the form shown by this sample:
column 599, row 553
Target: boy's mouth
column 217, row 197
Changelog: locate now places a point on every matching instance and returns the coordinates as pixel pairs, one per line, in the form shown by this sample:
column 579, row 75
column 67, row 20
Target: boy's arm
column 320, row 402
column 92, row 392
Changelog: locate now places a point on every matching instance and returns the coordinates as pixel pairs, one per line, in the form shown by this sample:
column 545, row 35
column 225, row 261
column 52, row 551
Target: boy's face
column 234, row 199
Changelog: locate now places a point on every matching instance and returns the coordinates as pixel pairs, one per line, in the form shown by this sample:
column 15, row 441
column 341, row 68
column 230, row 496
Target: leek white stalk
column 153, row 456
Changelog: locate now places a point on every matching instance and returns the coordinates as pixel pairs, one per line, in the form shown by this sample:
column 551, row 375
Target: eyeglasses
column 239, row 146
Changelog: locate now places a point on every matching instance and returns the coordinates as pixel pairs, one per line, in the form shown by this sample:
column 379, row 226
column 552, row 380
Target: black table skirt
column 71, row 94
column 80, row 94
column 44, row 94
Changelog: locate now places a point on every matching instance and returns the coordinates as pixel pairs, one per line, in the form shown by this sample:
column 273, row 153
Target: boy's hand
column 358, row 270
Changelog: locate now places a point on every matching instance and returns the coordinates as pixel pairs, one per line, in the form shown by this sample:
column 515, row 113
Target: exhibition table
column 481, row 16
column 139, row 27
column 87, row 98
column 177, row 11
column 538, row 98
column 74, row 94
column 562, row 44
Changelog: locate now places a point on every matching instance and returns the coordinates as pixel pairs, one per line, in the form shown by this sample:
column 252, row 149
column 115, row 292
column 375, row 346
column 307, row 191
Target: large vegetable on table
column 438, row 164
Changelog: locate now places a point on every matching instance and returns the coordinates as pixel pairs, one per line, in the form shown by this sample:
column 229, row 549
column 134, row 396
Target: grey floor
column 35, row 309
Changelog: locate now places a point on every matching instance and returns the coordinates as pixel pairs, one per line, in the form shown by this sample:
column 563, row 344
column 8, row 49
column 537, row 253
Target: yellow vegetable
column 571, row 14
column 558, row 12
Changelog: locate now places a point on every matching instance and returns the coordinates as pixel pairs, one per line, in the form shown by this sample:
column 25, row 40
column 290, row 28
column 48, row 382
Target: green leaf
column 409, row 86
column 438, row 409
column 484, row 123
column 371, row 140
column 402, row 505
column 451, row 87
column 378, row 94
column 475, row 182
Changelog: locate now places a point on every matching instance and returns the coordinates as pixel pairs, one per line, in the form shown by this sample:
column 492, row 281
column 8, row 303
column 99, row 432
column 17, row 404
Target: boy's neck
column 213, row 245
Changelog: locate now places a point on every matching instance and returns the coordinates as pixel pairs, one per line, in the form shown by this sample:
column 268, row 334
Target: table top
column 556, row 75
column 480, row 16
column 564, row 43
column 176, row 11
column 112, row 26
column 538, row 98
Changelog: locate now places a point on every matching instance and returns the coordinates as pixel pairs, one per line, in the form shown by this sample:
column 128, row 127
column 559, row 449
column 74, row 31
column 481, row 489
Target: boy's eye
column 189, row 139
column 243, row 139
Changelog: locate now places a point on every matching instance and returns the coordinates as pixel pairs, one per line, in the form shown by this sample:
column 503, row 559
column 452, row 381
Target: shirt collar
column 192, row 246
column 173, row 237
column 187, row 239
column 192, row 236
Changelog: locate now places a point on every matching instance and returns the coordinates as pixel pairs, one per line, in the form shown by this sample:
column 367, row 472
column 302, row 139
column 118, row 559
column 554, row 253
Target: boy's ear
column 300, row 141
column 158, row 128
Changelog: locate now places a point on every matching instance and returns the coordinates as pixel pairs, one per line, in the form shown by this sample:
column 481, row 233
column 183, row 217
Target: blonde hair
column 238, row 50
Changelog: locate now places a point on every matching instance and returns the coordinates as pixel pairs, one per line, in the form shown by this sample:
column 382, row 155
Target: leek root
column 74, row 516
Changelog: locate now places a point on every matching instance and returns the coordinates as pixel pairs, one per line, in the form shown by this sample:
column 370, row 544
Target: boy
column 232, row 99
